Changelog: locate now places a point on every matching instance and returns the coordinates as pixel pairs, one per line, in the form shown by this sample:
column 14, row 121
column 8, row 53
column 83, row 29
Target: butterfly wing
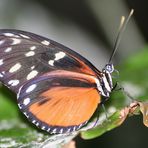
column 64, row 104
column 29, row 61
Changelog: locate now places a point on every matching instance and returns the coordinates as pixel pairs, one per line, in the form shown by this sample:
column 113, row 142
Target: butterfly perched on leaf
column 57, row 89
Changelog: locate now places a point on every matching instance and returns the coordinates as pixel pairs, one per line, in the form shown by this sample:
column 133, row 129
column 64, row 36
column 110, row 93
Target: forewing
column 24, row 56
column 55, row 86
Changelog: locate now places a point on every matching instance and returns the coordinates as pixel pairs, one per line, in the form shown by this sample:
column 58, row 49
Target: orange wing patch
column 66, row 106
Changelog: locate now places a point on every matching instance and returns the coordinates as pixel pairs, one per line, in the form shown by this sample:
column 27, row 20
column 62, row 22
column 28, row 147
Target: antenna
column 123, row 24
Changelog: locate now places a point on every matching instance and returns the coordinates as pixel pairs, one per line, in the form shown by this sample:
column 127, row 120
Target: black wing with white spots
column 24, row 56
column 54, row 84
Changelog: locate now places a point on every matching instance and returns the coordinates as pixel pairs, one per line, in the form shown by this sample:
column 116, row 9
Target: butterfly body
column 57, row 89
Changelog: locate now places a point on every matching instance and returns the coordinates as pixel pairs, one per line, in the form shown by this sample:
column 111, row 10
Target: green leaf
column 105, row 126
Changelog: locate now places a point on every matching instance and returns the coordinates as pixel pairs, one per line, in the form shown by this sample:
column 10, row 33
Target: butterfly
column 57, row 89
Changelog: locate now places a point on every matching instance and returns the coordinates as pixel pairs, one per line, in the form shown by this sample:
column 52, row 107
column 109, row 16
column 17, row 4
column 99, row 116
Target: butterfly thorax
column 105, row 83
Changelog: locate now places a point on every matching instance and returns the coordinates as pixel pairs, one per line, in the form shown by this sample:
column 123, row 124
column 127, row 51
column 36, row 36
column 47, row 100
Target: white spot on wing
column 45, row 42
column 54, row 131
column 19, row 91
column 26, row 101
column 32, row 74
column 80, row 126
column 16, row 36
column 1, row 62
column 15, row 41
column 9, row 34
column 1, row 75
column 32, row 47
column 26, row 114
column 13, row 82
column 37, row 124
column 32, row 67
column 14, row 68
column 48, row 130
column 33, row 121
column 19, row 105
column 30, row 53
column 51, row 62
column 24, row 36
column 43, row 127
column 68, row 130
column 31, row 88
column 8, row 49
column 59, row 55
column 61, row 131
column 1, row 42
column 74, row 128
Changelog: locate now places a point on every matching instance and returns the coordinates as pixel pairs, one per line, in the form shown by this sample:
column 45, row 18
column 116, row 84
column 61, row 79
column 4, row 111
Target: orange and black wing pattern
column 55, row 86
column 65, row 103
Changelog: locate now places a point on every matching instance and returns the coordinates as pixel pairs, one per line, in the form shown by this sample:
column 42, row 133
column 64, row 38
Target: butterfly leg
column 119, row 87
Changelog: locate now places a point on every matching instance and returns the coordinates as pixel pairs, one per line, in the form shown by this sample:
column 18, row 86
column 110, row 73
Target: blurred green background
column 88, row 27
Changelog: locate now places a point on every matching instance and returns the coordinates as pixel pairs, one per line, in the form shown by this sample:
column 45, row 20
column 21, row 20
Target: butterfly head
column 109, row 68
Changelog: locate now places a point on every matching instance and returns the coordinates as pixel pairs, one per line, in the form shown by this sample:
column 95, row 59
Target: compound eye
column 109, row 68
